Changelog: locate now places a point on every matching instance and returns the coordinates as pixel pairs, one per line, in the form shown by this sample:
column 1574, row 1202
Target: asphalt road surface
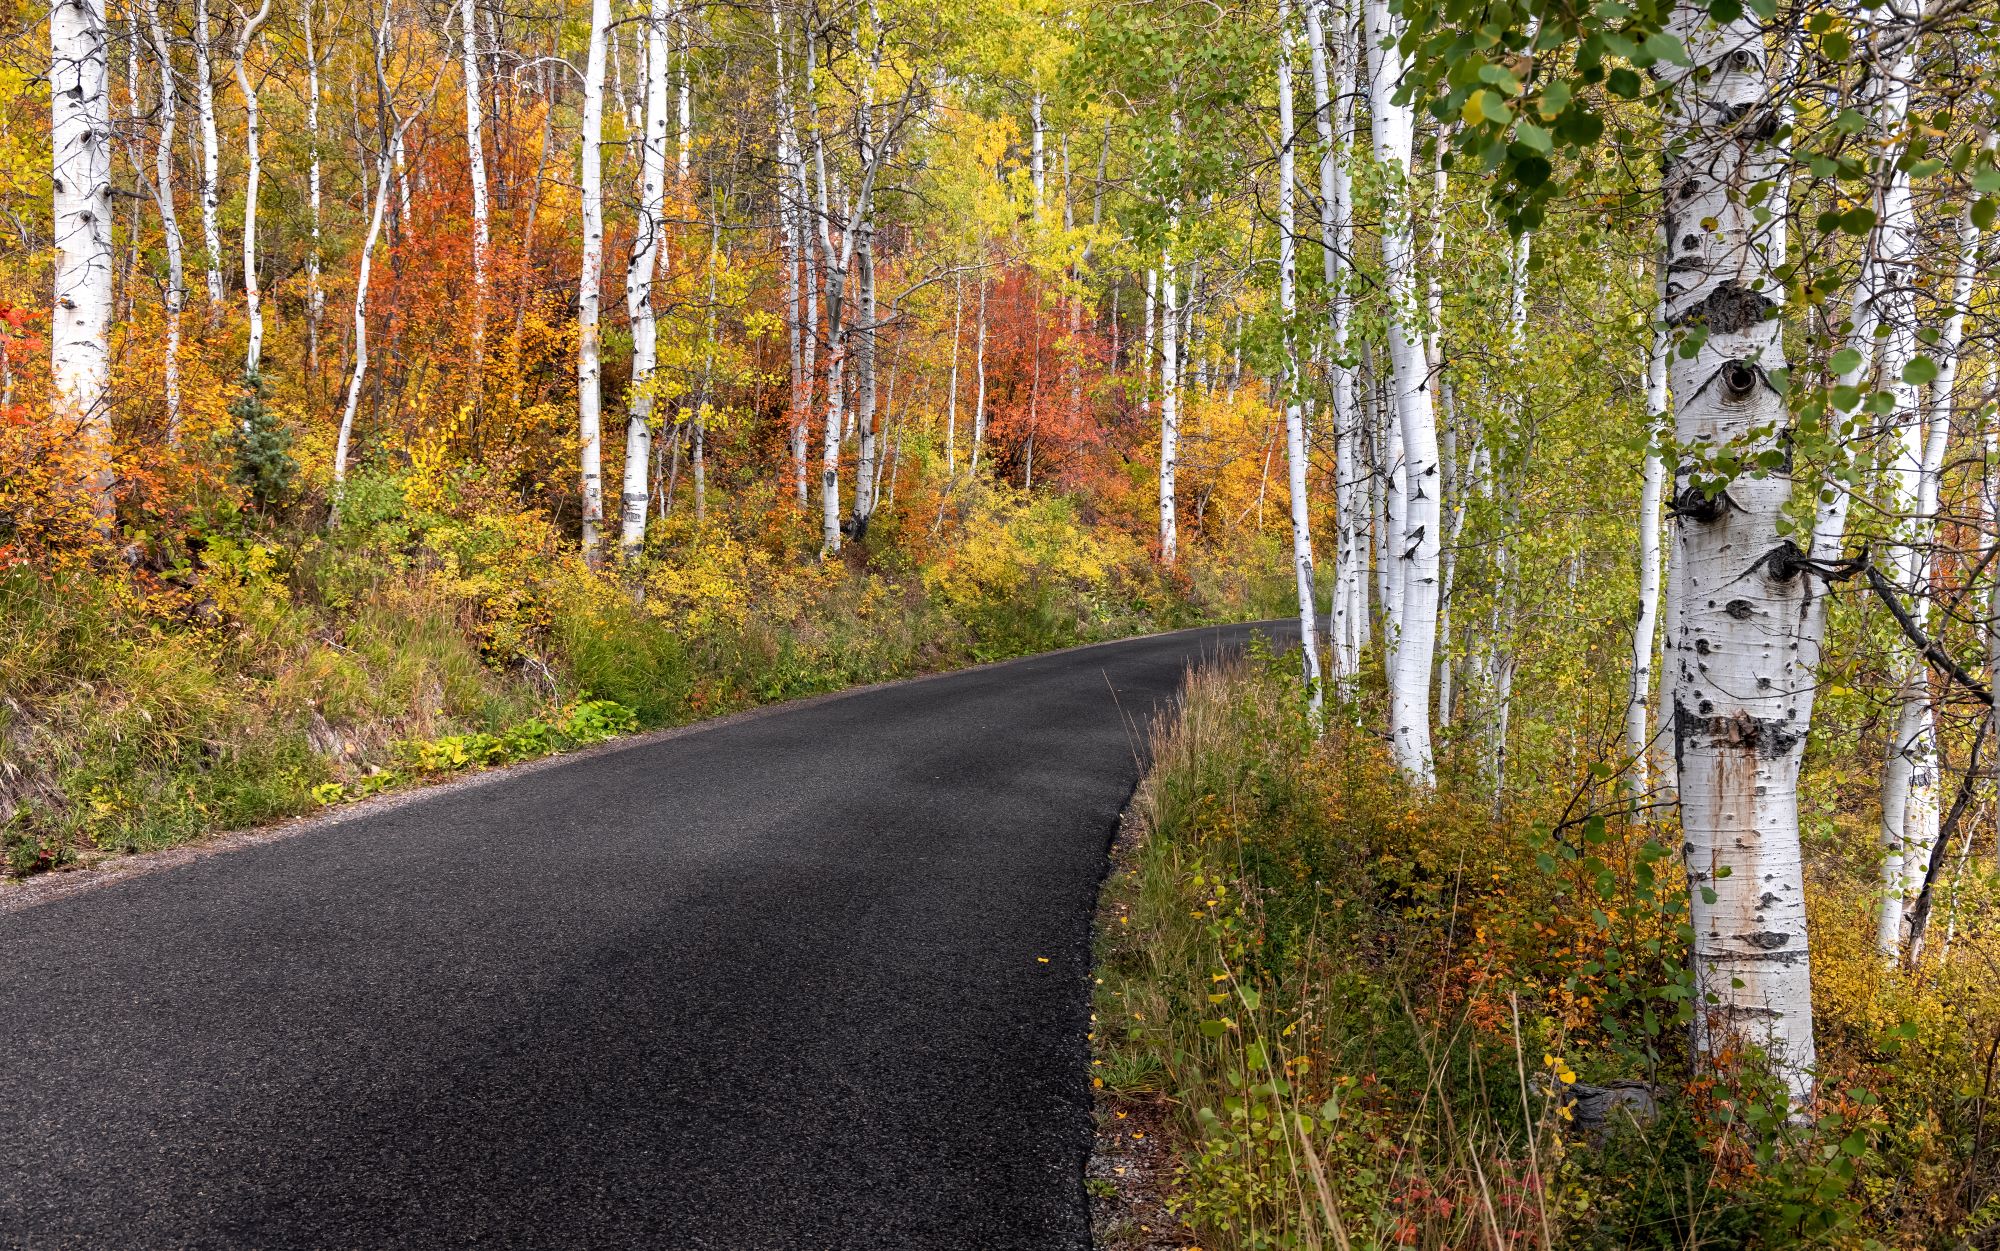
column 816, row 977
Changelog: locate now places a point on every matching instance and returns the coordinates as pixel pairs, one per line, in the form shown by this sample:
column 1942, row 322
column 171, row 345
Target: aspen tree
column 475, row 165
column 211, row 155
column 359, row 373
column 1417, row 541
column 1170, row 406
column 1747, row 610
column 80, row 322
column 589, row 366
column 252, row 127
column 1295, row 429
column 639, row 273
column 175, row 293
column 1639, row 697
column 315, row 295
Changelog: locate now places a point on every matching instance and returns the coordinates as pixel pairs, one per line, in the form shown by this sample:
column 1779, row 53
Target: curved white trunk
column 360, row 368
column 170, row 228
column 589, row 366
column 1417, row 540
column 80, row 322
column 253, row 302
column 1747, row 641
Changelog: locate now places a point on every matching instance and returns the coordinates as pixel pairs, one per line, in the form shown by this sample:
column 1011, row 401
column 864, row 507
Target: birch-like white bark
column 1417, row 541
column 1639, row 696
column 797, row 245
column 475, row 164
column 951, row 392
column 1170, row 407
column 359, row 373
column 315, row 295
column 686, row 100
column 253, row 303
column 589, row 366
column 636, row 493
column 1746, row 650
column 170, row 228
column 1295, row 425
column 80, row 321
column 1037, row 150
column 979, row 378
column 211, row 156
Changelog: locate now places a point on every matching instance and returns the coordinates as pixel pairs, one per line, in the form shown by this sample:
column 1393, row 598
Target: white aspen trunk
column 797, row 252
column 315, row 296
column 1146, row 350
column 866, row 463
column 1639, row 698
column 1417, row 542
column 80, row 321
column 1351, row 579
column 979, row 378
column 253, row 302
column 1454, row 523
column 1747, row 648
column 475, row 163
column 1343, row 656
column 403, row 215
column 135, row 117
column 211, row 228
column 1037, row 154
column 1295, row 425
column 626, row 113
column 1910, row 769
column 1911, row 774
column 951, row 394
column 636, row 492
column 360, row 368
column 170, row 228
column 836, row 361
column 686, row 101
column 1170, row 408
column 589, row 368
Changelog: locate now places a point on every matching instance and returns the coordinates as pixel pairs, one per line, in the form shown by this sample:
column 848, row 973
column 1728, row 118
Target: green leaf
column 1667, row 48
column 1836, row 45
column 1986, row 181
column 1920, row 370
column 1555, row 98
column 1213, row 1029
column 1983, row 213
column 1845, row 361
column 1624, row 82
column 1494, row 108
column 1535, row 137
column 1857, row 221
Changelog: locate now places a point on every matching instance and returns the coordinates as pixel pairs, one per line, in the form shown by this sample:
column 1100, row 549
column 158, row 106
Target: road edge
column 22, row 894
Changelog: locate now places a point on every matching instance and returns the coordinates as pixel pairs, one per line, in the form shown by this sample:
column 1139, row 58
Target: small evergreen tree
column 260, row 446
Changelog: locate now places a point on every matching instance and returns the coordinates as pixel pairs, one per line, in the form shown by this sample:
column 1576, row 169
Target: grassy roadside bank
column 1368, row 1017
column 265, row 670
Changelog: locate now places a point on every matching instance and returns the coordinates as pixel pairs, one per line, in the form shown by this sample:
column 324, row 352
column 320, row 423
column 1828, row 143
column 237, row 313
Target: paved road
column 813, row 978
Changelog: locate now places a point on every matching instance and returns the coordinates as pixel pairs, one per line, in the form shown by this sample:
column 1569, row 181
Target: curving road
column 812, row 977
